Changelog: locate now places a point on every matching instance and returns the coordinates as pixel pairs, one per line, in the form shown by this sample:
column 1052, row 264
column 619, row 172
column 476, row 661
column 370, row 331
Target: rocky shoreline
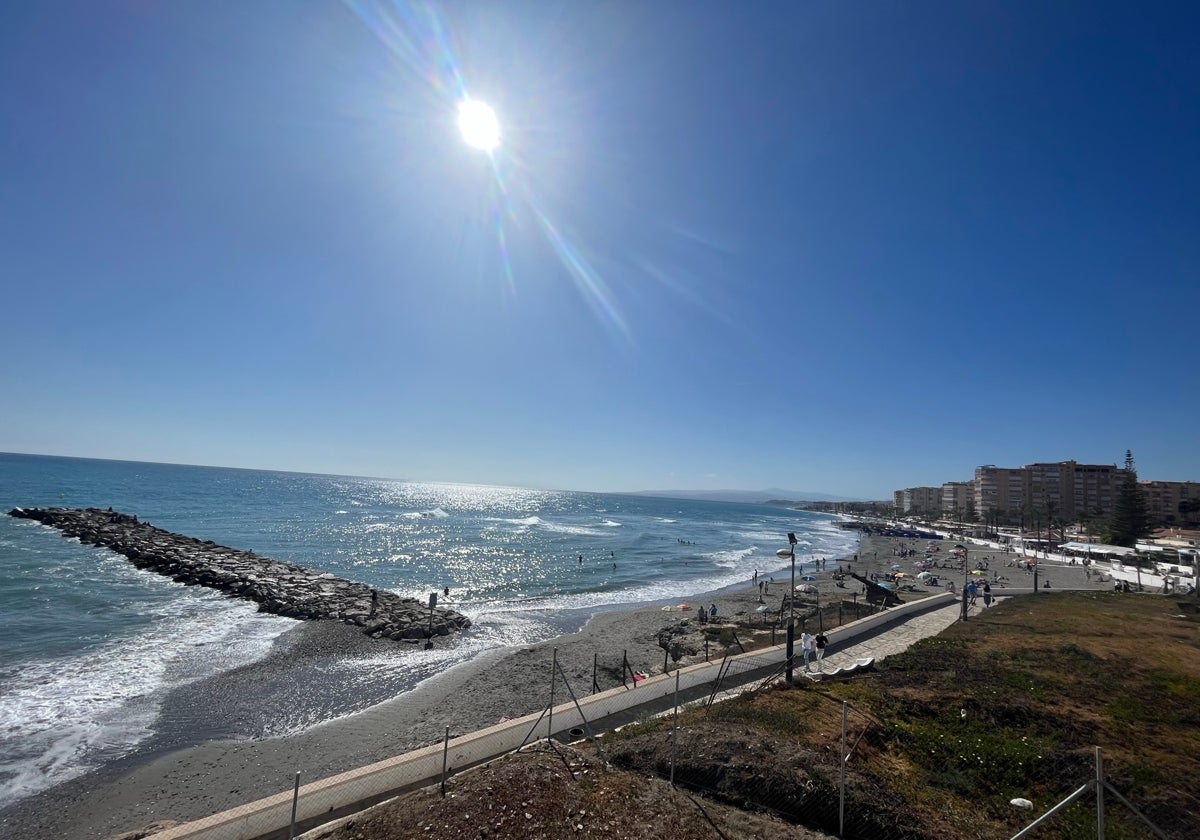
column 278, row 588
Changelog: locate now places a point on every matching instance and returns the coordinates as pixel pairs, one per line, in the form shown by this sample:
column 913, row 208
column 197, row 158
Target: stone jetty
column 278, row 588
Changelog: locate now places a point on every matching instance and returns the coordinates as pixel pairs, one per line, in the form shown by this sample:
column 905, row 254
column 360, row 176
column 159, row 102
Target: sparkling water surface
column 91, row 646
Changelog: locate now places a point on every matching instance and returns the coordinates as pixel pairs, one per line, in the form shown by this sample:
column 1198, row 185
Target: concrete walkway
column 895, row 639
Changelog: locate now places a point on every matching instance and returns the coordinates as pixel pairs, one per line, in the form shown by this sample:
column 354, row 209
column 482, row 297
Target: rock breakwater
column 278, row 588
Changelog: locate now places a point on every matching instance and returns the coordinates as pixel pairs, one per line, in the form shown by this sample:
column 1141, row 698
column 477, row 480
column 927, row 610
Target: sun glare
column 478, row 124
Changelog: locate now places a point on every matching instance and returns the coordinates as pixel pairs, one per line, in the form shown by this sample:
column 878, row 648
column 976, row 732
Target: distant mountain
column 772, row 495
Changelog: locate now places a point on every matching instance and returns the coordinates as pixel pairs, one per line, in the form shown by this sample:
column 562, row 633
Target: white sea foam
column 763, row 537
column 732, row 558
column 608, row 523
column 490, row 630
column 528, row 522
column 575, row 530
column 436, row 513
column 59, row 718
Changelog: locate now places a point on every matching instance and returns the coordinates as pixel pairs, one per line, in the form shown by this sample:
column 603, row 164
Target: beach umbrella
column 895, row 567
column 783, row 552
column 885, row 585
column 899, row 575
column 764, row 608
column 807, row 577
column 807, row 588
column 978, row 572
column 924, row 575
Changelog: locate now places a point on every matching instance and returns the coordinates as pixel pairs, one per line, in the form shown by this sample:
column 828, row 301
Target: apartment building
column 921, row 500
column 1050, row 488
column 1096, row 489
column 1164, row 497
column 999, row 491
column 957, row 497
column 1071, row 491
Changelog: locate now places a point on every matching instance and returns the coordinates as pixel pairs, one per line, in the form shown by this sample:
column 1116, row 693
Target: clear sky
column 839, row 247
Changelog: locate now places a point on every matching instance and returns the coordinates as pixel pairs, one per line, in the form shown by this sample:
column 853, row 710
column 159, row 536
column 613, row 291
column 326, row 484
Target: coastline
column 174, row 780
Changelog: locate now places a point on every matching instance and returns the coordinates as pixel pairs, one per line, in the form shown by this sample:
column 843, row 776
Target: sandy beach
column 187, row 783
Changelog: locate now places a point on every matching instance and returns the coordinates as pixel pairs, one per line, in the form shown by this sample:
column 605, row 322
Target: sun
column 478, row 124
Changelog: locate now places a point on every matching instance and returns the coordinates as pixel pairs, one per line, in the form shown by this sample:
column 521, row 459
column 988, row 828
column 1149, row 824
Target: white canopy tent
column 1098, row 549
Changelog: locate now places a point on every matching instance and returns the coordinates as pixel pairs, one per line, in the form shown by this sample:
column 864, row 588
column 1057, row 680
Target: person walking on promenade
column 987, row 594
column 972, row 593
column 806, row 647
column 821, row 641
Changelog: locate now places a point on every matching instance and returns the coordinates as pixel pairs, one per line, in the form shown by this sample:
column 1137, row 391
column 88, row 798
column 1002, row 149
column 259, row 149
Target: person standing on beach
column 821, row 641
column 806, row 647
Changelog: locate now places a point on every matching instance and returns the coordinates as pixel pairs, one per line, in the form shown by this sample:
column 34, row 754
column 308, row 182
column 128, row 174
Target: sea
column 92, row 650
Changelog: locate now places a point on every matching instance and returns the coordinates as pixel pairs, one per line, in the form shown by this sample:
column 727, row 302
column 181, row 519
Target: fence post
column 295, row 803
column 553, row 674
column 445, row 751
column 706, row 649
column 625, row 667
column 842, row 778
column 675, row 730
column 595, row 665
column 1099, row 795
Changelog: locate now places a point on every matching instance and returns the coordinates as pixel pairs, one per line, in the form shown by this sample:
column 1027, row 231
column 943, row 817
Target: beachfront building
column 920, row 501
column 957, row 497
column 1049, row 489
column 999, row 493
column 1063, row 490
column 1171, row 502
column 1095, row 491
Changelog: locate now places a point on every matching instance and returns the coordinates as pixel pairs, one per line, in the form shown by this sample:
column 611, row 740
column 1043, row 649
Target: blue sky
column 840, row 247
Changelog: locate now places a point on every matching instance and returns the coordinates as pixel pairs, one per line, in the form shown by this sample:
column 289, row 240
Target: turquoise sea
column 91, row 648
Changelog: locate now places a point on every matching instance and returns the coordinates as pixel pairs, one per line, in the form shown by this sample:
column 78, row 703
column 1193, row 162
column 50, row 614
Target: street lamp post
column 1036, row 564
column 791, row 629
column 966, row 571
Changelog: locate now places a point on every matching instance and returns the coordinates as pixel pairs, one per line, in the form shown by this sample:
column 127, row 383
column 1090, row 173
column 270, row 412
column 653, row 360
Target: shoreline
column 172, row 780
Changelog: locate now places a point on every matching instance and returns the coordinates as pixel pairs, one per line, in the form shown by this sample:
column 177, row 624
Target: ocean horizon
column 93, row 649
